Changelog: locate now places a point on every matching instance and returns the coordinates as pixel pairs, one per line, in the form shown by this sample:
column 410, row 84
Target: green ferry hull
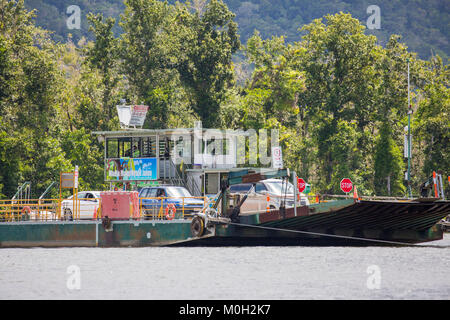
column 93, row 234
column 337, row 223
column 342, row 223
column 249, row 236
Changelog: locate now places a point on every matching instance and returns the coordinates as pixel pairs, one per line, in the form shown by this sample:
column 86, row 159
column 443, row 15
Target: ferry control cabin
column 195, row 158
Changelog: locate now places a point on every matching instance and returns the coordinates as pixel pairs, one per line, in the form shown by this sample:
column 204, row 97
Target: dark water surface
column 227, row 273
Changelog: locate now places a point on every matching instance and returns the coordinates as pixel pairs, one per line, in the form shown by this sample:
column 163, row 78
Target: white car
column 277, row 191
column 87, row 206
column 280, row 190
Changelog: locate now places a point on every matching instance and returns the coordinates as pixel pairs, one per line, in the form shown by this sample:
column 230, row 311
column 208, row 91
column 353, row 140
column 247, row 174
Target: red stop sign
column 301, row 184
column 346, row 185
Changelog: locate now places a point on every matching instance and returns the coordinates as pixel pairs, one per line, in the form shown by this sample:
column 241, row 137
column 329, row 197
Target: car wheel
column 147, row 214
column 68, row 216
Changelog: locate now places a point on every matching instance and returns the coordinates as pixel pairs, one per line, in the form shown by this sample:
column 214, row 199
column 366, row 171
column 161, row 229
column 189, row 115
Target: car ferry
column 204, row 165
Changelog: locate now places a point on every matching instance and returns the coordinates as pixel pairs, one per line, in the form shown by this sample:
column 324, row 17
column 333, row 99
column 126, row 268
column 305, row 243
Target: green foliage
column 275, row 72
column 338, row 103
column 28, row 101
column 104, row 56
column 388, row 164
column 204, row 45
column 10, row 163
column 337, row 97
column 142, row 47
column 80, row 150
column 344, row 114
column 432, row 122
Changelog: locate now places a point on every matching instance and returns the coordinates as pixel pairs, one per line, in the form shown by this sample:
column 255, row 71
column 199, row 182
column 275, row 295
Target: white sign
column 405, row 144
column 277, row 158
column 132, row 115
column 67, row 180
column 138, row 114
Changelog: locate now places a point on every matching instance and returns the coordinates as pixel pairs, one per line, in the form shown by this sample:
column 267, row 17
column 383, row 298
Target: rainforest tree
column 338, row 98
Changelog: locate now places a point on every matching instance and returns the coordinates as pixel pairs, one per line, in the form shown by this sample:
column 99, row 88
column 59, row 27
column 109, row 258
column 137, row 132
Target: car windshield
column 240, row 188
column 86, row 195
column 177, row 192
column 279, row 188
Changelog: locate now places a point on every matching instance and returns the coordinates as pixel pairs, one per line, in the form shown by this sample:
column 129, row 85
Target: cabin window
column 136, row 151
column 138, row 147
column 112, row 148
column 212, row 183
column 148, row 147
column 125, row 147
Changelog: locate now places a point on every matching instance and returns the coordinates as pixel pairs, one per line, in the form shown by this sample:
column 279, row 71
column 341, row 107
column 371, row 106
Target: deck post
column 409, row 138
column 294, row 182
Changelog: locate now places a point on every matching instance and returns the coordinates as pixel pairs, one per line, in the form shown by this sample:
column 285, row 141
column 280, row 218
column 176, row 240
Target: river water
column 227, row 273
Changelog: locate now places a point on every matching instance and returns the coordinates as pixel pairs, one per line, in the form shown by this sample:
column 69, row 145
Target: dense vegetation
column 337, row 96
column 422, row 23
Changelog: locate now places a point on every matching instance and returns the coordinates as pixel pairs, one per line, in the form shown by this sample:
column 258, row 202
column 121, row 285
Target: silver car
column 267, row 194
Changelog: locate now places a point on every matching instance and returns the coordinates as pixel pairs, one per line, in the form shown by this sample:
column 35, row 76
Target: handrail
column 182, row 179
column 363, row 197
column 28, row 209
column 47, row 190
column 191, row 181
column 26, row 184
column 160, row 206
column 46, row 209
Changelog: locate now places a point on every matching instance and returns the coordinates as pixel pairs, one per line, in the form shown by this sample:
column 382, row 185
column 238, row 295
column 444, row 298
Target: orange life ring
column 26, row 211
column 170, row 211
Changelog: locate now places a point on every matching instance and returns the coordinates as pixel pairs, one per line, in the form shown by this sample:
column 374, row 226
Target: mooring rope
column 342, row 237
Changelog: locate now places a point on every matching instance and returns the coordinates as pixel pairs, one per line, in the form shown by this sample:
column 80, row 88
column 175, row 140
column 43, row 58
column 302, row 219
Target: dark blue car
column 178, row 196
